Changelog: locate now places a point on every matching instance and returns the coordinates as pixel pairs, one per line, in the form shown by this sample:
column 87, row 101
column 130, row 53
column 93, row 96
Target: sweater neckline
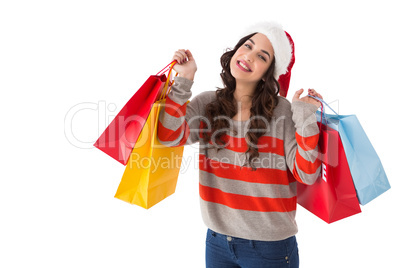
column 239, row 122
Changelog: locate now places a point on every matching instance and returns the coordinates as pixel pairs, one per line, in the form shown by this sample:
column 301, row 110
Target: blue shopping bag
column 365, row 166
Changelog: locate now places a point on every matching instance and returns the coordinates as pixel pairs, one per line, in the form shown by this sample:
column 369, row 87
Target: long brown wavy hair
column 264, row 101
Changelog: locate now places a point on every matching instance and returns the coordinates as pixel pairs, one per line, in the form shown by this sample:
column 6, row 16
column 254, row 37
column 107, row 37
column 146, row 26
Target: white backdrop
column 67, row 67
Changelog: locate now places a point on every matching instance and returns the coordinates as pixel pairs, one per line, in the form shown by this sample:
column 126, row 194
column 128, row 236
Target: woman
column 254, row 146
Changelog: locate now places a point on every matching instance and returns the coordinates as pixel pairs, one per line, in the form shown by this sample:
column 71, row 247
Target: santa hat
column 283, row 47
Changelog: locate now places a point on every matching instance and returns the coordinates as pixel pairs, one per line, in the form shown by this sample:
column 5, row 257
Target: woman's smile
column 243, row 66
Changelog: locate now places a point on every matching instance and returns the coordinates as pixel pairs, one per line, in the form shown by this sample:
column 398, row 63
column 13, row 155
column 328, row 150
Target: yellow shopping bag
column 152, row 170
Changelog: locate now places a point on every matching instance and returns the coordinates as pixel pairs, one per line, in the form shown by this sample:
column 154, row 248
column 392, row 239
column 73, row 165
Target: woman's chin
column 243, row 79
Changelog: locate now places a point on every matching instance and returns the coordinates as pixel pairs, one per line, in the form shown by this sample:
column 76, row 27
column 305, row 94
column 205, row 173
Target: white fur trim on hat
column 279, row 41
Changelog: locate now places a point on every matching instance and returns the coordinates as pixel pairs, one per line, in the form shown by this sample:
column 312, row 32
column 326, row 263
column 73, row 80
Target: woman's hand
column 185, row 66
column 307, row 99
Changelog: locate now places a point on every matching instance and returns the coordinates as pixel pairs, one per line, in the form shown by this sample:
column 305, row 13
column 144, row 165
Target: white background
column 67, row 67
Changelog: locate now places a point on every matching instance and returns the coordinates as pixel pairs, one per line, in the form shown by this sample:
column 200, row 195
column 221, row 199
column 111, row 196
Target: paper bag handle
column 167, row 67
column 322, row 108
column 168, row 84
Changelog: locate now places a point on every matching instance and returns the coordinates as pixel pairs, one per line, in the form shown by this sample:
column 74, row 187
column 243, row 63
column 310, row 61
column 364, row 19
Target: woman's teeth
column 244, row 66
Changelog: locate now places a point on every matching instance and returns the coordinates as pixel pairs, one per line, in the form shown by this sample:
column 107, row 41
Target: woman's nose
column 250, row 56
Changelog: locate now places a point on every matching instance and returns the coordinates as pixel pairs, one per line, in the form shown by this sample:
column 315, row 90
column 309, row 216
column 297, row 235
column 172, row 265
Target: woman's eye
column 261, row 57
column 247, row 46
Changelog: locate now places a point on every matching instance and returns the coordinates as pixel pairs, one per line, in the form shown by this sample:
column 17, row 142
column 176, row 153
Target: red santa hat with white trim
column 284, row 51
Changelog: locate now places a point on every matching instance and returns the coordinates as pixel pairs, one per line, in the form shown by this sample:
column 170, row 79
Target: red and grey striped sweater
column 235, row 200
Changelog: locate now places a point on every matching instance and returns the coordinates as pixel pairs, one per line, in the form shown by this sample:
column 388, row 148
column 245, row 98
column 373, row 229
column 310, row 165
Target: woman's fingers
column 186, row 66
column 180, row 56
column 296, row 97
column 312, row 92
column 189, row 55
column 307, row 99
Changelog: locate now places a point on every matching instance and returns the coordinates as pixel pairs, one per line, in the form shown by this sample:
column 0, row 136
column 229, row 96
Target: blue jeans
column 226, row 252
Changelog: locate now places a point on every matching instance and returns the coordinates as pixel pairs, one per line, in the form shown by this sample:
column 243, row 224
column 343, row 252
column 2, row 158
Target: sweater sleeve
column 179, row 120
column 301, row 145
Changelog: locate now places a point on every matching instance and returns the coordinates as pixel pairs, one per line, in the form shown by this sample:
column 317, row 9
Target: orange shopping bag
column 152, row 169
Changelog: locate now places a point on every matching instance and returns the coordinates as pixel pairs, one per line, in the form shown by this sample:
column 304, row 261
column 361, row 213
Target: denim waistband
column 238, row 240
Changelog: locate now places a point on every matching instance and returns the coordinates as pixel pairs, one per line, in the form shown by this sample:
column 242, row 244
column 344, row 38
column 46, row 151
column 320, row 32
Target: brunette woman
column 254, row 146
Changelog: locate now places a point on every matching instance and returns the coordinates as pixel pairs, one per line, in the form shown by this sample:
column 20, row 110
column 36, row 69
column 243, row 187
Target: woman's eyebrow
column 264, row 51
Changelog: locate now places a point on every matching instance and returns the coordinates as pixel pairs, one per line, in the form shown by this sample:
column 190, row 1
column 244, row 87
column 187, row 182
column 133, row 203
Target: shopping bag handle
column 167, row 67
column 168, row 83
column 322, row 103
column 323, row 109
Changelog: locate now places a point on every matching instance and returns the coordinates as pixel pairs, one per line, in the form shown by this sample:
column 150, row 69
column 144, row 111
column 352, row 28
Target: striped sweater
column 235, row 200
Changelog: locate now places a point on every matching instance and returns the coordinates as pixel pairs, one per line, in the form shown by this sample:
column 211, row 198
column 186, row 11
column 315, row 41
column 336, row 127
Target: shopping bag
column 332, row 197
column 369, row 177
column 120, row 136
column 152, row 170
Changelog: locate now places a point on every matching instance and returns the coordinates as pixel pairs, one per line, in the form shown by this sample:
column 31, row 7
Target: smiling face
column 252, row 60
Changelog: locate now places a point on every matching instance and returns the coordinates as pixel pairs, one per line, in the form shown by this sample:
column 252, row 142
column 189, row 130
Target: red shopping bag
column 333, row 196
column 120, row 136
